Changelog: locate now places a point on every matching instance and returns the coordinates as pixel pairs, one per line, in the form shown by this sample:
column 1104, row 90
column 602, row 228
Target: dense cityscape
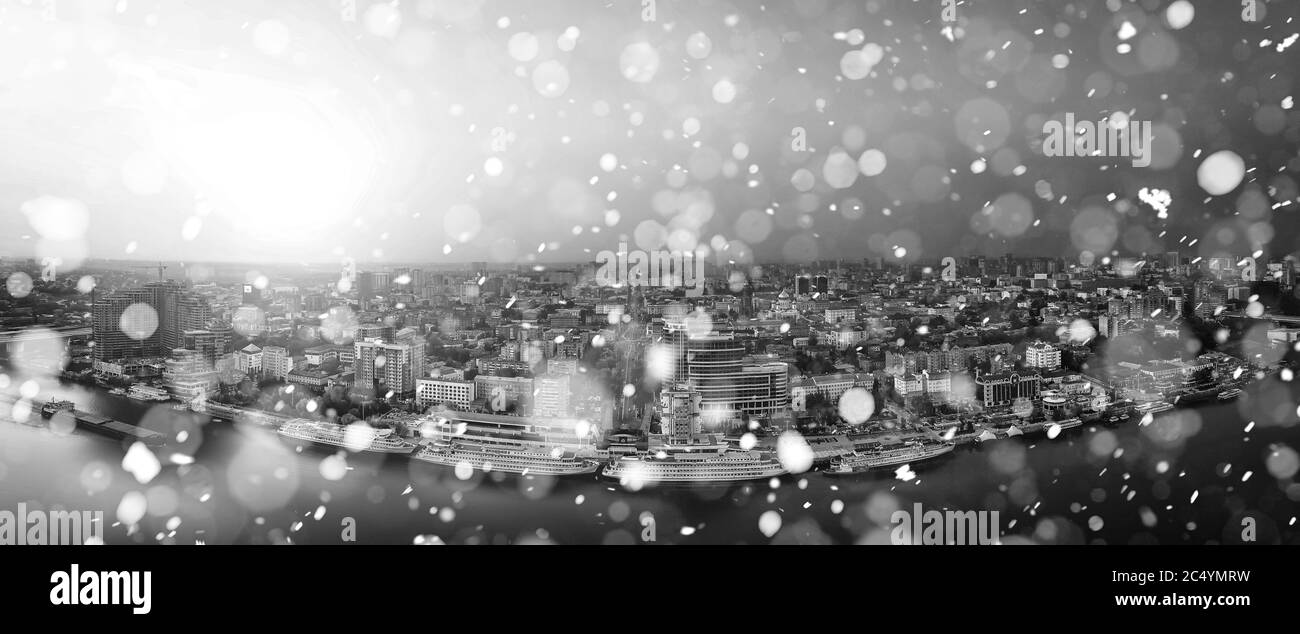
column 650, row 271
column 752, row 373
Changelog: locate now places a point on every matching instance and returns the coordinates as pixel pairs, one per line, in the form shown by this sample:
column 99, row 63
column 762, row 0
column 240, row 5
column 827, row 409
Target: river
column 1190, row 476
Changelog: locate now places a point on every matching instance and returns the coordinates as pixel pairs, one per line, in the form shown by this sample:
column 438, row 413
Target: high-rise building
column 714, row 365
column 191, row 312
column 365, row 290
column 1041, row 354
column 388, row 367
column 802, row 285
column 276, row 362
column 125, row 324
column 552, row 397
column 747, row 299
column 1177, row 305
column 371, row 285
column 146, row 321
column 1110, row 326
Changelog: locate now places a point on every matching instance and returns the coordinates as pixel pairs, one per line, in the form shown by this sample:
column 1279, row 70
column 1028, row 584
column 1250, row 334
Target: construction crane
column 161, row 267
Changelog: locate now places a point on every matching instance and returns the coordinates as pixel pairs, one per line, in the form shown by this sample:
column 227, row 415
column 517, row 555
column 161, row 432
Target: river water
column 1190, row 476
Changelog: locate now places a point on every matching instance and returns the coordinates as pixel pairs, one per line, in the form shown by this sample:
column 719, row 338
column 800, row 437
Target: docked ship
column 510, row 444
column 697, row 463
column 1229, row 394
column 54, row 406
column 1154, row 407
column 93, row 423
column 557, row 461
column 684, row 453
column 883, row 456
column 142, row 392
column 1070, row 423
column 234, row 413
column 1062, row 425
column 332, row 435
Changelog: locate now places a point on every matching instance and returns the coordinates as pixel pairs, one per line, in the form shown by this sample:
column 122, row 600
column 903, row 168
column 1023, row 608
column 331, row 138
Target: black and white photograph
column 364, row 275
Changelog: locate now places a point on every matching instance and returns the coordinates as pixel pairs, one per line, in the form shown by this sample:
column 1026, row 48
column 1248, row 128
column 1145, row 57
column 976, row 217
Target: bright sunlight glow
column 275, row 161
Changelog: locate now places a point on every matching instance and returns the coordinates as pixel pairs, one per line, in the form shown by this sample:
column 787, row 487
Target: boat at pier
column 326, row 434
column 672, row 465
column 883, row 456
column 556, row 461
column 142, row 392
column 54, row 406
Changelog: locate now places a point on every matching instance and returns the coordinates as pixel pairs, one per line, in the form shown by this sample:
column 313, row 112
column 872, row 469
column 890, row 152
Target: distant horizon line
column 491, row 264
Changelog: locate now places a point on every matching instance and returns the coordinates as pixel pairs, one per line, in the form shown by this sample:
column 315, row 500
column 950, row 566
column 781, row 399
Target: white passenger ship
column 557, row 461
column 713, row 462
column 1069, row 423
column 332, row 435
column 882, row 456
column 1154, row 407
column 142, row 392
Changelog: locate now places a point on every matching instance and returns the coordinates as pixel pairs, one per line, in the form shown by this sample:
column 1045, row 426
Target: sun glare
column 276, row 162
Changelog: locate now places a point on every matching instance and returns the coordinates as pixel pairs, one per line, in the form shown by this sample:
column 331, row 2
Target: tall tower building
column 125, row 324
column 713, row 365
column 802, row 285
column 365, row 290
column 388, row 367
column 146, row 321
column 552, row 395
column 191, row 312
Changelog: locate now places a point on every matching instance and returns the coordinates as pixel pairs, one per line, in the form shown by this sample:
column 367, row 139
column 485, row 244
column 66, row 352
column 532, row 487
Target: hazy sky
column 507, row 131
